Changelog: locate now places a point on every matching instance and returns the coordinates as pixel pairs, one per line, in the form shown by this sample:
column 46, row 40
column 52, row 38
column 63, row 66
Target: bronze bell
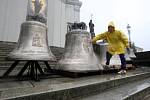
column 32, row 43
column 101, row 49
column 79, row 55
column 130, row 55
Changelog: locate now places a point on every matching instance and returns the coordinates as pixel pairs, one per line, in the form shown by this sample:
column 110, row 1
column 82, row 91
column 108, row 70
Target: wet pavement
column 11, row 87
column 121, row 92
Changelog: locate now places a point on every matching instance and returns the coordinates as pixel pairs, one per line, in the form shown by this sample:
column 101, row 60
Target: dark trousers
column 122, row 58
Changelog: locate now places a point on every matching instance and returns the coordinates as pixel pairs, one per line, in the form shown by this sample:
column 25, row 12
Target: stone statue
column 37, row 10
column 91, row 27
column 80, row 25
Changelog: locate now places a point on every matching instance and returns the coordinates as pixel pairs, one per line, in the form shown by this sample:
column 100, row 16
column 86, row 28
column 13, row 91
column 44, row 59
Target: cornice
column 74, row 2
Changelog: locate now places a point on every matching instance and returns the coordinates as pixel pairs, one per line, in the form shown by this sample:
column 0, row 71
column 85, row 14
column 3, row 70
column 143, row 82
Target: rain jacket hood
column 111, row 24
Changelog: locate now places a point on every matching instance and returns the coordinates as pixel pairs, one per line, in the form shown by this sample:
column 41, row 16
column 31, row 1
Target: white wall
column 13, row 13
column 59, row 13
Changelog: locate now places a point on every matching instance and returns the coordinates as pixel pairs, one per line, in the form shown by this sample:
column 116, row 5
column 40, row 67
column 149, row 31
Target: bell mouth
column 30, row 56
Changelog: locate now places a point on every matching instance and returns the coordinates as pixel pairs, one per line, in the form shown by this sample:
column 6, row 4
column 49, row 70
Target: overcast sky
column 133, row 12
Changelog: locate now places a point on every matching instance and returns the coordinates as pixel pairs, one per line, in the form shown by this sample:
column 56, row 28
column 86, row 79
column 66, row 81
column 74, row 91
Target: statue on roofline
column 37, row 10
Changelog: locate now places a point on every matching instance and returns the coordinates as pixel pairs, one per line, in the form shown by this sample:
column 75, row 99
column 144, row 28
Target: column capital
column 74, row 2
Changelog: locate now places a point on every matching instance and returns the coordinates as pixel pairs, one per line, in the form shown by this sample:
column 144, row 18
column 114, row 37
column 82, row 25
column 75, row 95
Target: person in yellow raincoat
column 117, row 42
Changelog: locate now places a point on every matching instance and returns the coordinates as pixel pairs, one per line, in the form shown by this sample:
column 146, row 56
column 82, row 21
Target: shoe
column 122, row 72
column 106, row 67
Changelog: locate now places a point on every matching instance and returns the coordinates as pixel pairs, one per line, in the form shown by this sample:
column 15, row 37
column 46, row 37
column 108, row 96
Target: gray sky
column 122, row 12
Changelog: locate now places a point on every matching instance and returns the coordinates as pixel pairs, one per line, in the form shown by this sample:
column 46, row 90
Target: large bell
column 101, row 49
column 79, row 55
column 130, row 56
column 32, row 43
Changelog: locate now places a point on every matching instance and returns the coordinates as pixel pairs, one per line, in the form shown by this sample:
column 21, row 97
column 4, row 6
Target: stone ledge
column 131, row 91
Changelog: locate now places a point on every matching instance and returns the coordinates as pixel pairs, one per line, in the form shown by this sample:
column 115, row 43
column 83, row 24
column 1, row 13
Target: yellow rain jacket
column 117, row 41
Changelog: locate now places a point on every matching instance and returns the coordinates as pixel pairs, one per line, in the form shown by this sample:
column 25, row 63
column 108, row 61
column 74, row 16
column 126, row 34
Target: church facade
column 60, row 13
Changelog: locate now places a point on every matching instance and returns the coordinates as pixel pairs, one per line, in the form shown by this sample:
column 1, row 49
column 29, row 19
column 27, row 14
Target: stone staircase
column 135, row 85
column 136, row 90
column 6, row 47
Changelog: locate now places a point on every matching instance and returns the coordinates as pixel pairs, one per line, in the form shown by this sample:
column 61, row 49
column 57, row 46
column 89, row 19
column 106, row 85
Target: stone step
column 5, row 50
column 16, row 70
column 22, row 64
column 75, row 88
column 7, row 46
column 7, row 42
column 147, row 97
column 7, row 64
column 2, row 59
column 3, row 53
column 131, row 91
column 3, row 56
